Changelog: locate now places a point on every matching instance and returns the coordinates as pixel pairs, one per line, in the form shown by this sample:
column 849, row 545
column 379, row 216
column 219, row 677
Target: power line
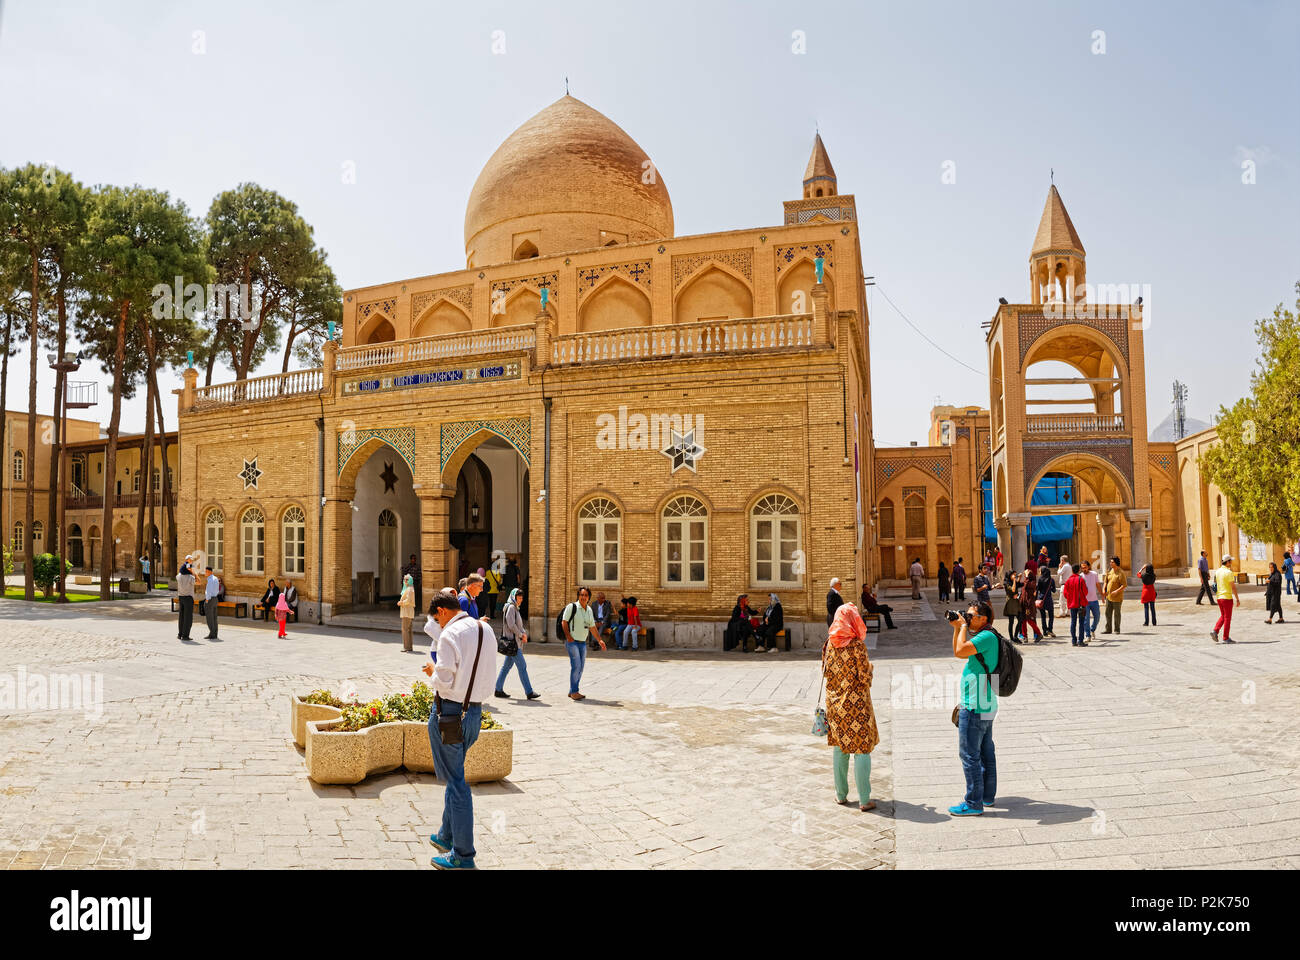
column 921, row 333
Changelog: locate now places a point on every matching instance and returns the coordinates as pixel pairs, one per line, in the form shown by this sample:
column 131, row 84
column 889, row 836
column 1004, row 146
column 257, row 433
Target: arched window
column 18, row 537
column 914, row 516
column 886, row 519
column 293, row 537
column 19, row 476
column 252, row 534
column 38, row 536
column 600, row 524
column 527, row 251
column 214, row 528
column 774, row 542
column 943, row 518
column 685, row 542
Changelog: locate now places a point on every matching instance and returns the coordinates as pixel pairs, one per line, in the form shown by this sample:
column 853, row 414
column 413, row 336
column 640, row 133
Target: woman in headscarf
column 513, row 636
column 849, row 714
column 1148, row 597
column 773, row 623
column 1273, row 594
column 739, row 629
column 406, row 607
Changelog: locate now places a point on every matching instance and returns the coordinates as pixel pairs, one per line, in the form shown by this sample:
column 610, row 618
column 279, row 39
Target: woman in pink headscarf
column 849, row 714
column 281, row 613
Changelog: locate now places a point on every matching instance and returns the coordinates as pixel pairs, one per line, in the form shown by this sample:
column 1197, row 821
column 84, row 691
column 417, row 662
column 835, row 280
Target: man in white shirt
column 463, row 667
column 1063, row 573
column 1092, row 581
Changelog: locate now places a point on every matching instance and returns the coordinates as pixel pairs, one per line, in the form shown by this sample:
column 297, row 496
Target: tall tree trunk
column 142, row 540
column 212, row 360
column 110, row 461
column 169, row 509
column 29, row 516
column 288, row 345
column 60, row 382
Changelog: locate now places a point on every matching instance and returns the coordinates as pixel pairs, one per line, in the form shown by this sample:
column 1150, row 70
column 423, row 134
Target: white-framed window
column 685, row 538
column 600, row 526
column 157, row 480
column 775, row 535
column 214, row 530
column 252, row 535
column 19, row 475
column 135, row 481
column 293, row 537
column 18, row 537
column 38, row 537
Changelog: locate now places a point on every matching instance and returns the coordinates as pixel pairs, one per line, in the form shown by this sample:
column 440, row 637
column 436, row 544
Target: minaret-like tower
column 819, row 176
column 1057, row 259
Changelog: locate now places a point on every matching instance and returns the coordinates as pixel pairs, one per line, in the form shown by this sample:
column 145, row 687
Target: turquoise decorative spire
column 820, row 264
column 546, row 296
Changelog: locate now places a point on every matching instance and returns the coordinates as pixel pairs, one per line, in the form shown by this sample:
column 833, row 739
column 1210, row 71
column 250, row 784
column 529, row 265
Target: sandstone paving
column 1157, row 749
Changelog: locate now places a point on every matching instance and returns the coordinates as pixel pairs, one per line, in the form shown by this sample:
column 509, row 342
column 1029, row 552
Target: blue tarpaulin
column 1048, row 491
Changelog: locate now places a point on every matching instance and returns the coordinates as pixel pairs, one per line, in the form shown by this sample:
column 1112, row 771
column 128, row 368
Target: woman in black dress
column 270, row 598
column 1273, row 594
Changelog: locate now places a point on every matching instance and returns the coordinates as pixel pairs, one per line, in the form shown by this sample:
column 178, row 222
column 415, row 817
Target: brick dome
column 568, row 179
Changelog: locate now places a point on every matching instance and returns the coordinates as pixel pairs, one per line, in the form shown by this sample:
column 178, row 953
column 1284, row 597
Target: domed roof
column 568, row 171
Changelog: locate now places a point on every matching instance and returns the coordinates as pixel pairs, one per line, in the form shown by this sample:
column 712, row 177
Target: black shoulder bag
column 451, row 730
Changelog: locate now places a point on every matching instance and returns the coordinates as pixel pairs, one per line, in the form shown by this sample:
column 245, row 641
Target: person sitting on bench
column 739, row 629
column 269, row 599
column 773, row 623
column 871, row 605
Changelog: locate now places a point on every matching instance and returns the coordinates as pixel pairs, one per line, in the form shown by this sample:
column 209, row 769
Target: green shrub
column 323, row 698
column 45, row 572
column 8, row 561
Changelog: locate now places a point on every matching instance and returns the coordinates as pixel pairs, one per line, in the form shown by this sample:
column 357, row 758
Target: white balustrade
column 293, row 383
column 685, row 340
column 448, row 346
column 1070, row 423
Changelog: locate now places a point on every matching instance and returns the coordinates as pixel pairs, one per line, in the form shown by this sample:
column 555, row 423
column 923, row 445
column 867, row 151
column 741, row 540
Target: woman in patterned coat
column 849, row 713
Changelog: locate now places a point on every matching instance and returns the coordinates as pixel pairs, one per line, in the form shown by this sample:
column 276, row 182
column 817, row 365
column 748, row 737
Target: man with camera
column 462, row 664
column 974, row 641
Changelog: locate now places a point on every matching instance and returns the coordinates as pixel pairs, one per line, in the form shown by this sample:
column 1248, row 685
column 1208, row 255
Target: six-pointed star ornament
column 389, row 478
column 683, row 451
column 250, row 473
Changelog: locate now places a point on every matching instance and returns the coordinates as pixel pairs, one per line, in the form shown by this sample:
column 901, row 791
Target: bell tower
column 1057, row 259
column 819, row 175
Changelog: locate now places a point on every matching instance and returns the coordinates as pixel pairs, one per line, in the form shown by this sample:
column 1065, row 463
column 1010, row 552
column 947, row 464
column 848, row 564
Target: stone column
column 435, row 528
column 190, row 393
column 1019, row 540
column 1003, row 527
column 1106, row 521
column 329, row 360
column 1138, row 521
column 337, row 535
column 823, row 324
column 545, row 334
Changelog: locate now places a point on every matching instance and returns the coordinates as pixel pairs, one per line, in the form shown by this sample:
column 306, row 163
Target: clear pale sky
column 1147, row 141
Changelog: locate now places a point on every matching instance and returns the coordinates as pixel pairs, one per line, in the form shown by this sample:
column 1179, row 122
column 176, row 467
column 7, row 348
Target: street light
column 83, row 395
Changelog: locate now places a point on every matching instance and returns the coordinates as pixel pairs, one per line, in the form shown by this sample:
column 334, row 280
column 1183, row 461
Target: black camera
column 952, row 616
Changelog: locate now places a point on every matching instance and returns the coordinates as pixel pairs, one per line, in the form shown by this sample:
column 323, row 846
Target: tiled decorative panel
column 638, row 271
column 742, row 261
column 516, row 431
column 401, row 439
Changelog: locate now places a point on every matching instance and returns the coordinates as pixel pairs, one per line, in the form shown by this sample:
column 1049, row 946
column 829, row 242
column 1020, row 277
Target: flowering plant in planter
column 323, row 698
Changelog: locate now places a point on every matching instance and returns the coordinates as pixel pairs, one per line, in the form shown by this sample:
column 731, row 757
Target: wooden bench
column 258, row 607
column 239, row 609
column 872, row 618
column 1261, row 579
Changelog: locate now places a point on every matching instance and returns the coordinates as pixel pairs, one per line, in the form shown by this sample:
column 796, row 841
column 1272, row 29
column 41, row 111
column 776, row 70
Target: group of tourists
column 748, row 624
column 276, row 602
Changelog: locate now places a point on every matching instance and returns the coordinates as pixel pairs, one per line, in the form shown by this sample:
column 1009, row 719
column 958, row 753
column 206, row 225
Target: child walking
column 281, row 613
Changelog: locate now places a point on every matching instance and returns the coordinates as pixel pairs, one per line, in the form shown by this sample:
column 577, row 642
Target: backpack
column 559, row 622
column 1009, row 663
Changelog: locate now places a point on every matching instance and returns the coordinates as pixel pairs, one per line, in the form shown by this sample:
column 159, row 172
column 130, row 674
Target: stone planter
column 341, row 756
column 300, row 713
column 349, row 756
column 491, row 757
column 139, row 586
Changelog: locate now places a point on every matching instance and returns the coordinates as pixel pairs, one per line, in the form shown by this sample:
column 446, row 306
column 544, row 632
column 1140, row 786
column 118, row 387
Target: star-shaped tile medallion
column 683, row 451
column 389, row 478
column 250, row 473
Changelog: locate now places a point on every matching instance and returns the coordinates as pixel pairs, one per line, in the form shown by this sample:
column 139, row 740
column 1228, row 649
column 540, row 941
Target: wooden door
column 389, row 585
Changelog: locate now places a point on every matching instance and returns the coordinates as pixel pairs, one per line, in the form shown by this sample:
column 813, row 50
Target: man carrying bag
column 463, row 664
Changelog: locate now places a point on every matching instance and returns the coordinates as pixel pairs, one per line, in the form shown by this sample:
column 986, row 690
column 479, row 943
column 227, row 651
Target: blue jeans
column 457, row 830
column 1094, row 611
column 577, row 660
column 629, row 636
column 1290, row 584
column 617, row 634
column 516, row 661
column 1078, row 624
column 978, row 762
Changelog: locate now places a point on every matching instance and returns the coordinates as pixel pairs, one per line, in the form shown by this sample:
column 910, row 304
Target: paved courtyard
column 1157, row 749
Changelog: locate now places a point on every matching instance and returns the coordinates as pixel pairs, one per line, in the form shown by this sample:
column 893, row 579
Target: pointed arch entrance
column 385, row 523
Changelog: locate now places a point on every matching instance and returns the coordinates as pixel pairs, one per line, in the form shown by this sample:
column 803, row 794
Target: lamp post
column 81, row 396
